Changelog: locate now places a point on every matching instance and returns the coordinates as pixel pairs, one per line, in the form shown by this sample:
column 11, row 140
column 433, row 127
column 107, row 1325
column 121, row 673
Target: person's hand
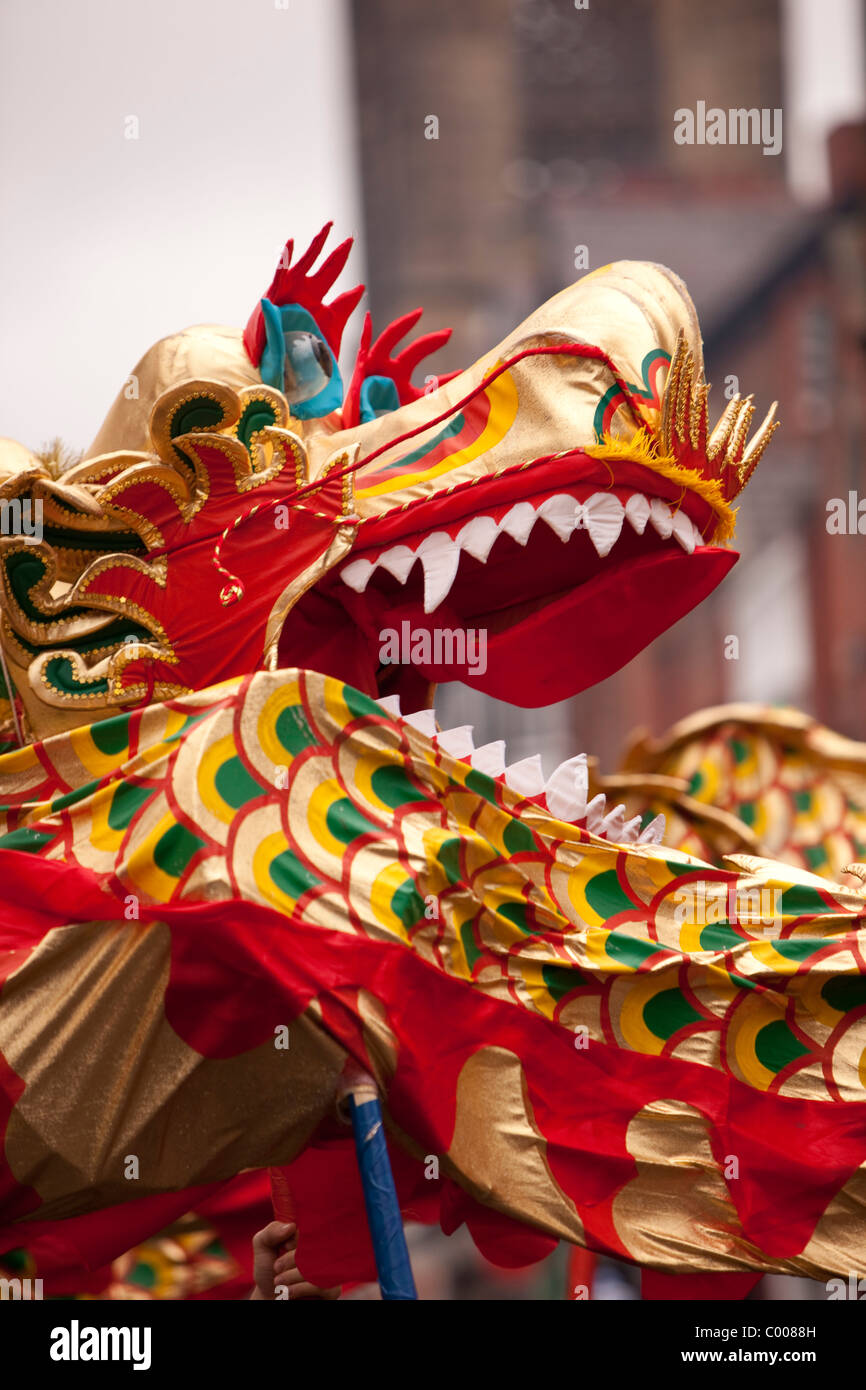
column 274, row 1269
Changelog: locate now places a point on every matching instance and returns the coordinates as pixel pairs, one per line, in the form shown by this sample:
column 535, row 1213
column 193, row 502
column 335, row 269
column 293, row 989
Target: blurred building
column 553, row 130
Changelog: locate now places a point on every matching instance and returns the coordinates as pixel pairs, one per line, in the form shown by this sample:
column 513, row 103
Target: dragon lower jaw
column 559, row 646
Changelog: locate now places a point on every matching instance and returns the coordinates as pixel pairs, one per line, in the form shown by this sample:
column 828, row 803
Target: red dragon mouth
column 561, row 587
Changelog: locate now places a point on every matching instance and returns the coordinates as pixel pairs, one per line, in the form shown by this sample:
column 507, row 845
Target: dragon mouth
column 529, row 600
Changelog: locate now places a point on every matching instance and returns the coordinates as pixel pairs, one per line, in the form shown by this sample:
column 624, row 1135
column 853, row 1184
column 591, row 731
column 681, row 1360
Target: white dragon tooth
column 654, row 832
column 477, row 537
column 398, row 561
column 456, row 741
column 527, row 776
column 630, row 831
column 562, row 514
column 613, row 823
column 595, row 813
column 490, row 758
column 565, row 791
column 602, row 516
column 392, row 704
column 637, row 509
column 357, row 575
column 518, row 523
column 440, row 557
column 686, row 532
column 661, row 518
column 424, row 720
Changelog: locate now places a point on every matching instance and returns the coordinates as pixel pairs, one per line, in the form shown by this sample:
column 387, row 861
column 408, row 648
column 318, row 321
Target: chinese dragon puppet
column 227, row 821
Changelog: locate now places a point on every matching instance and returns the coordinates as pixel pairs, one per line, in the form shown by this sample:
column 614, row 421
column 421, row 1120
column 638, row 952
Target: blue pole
column 380, row 1195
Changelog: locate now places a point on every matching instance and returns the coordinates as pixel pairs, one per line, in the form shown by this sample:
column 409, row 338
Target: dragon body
column 241, row 854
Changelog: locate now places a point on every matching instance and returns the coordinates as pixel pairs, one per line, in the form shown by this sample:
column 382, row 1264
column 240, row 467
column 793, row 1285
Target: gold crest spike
column 684, row 403
column 670, row 395
column 718, row 440
column 698, row 431
column 754, row 452
column 722, row 455
column 734, row 451
column 684, row 397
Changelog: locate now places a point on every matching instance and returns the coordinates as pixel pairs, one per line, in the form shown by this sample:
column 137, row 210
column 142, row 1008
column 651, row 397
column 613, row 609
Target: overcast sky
column 246, row 136
column 107, row 243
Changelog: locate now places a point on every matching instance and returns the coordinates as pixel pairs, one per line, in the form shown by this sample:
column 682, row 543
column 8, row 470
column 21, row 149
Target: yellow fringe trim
column 642, row 449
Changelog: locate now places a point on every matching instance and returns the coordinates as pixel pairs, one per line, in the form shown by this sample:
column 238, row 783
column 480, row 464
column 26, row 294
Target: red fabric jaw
column 561, row 646
column 590, row 633
column 581, row 615
column 567, row 627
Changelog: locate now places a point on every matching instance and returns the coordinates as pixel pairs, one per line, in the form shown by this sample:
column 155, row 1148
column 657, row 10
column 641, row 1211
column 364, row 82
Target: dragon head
column 562, row 501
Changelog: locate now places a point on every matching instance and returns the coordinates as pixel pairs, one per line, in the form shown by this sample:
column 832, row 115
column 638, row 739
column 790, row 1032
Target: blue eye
column 296, row 360
column 307, row 366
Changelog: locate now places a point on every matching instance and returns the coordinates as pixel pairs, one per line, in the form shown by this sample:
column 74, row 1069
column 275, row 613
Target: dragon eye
column 308, row 366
